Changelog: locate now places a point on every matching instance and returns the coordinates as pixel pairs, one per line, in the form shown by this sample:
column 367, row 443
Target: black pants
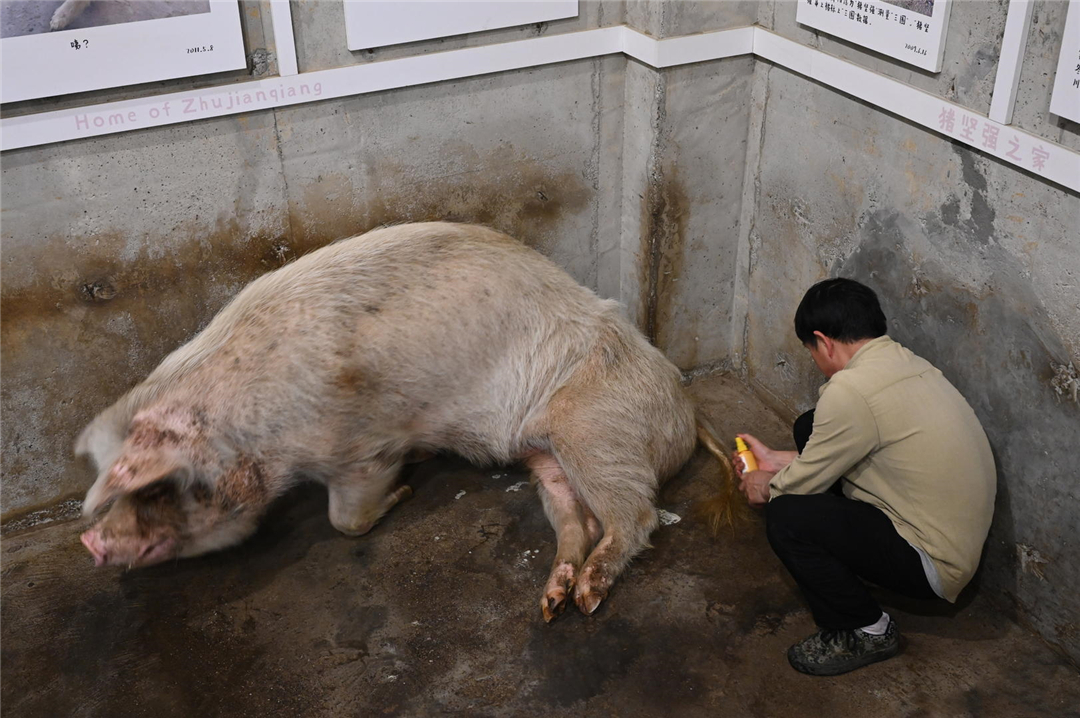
column 829, row 543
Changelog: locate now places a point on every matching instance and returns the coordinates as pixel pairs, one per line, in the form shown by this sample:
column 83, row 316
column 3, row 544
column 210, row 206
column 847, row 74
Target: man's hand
column 767, row 459
column 755, row 486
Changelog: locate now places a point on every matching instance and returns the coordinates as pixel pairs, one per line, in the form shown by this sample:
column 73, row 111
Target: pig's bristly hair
column 725, row 506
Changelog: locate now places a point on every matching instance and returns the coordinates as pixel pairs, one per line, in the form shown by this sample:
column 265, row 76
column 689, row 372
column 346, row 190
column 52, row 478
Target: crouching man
column 893, row 482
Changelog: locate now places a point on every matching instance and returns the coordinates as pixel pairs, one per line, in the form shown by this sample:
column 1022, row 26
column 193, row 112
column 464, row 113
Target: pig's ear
column 102, row 441
column 135, row 470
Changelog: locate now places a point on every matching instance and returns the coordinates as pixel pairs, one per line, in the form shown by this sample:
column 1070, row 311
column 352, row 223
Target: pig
column 337, row 367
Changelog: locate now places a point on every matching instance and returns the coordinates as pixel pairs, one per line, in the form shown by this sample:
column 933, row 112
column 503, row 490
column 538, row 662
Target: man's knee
column 803, row 428
column 784, row 516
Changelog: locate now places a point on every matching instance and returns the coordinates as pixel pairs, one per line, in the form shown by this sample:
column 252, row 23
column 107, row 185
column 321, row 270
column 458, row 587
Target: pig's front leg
column 359, row 498
column 576, row 529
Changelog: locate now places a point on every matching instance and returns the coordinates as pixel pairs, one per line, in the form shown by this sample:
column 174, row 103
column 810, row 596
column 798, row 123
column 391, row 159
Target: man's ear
column 825, row 345
column 136, row 469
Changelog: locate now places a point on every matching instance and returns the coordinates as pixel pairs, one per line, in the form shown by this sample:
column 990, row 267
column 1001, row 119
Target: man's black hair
column 842, row 309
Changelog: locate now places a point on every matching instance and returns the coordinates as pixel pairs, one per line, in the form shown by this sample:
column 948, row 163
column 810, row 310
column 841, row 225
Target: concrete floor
column 436, row 612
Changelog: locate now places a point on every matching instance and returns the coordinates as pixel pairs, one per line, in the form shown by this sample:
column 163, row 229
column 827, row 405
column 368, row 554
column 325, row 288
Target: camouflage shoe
column 830, row 653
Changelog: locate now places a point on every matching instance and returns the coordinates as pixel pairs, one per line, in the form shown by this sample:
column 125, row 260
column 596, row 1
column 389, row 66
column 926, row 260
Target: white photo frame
column 1065, row 97
column 378, row 23
column 113, row 46
column 912, row 31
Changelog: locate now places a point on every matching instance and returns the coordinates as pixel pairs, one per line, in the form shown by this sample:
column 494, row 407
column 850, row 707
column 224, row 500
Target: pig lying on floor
column 421, row 337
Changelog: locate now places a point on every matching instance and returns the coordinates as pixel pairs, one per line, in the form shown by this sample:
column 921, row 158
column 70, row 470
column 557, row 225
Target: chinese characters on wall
column 868, row 12
column 1023, row 149
column 116, row 44
column 909, row 30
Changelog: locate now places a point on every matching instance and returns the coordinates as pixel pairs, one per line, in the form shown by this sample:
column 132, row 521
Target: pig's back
column 448, row 335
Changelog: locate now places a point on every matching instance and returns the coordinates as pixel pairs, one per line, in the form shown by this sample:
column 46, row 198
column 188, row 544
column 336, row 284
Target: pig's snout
column 130, row 553
column 92, row 541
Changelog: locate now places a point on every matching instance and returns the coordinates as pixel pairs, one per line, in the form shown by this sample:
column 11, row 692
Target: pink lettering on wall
column 206, row 104
column 1014, row 145
column 969, row 125
column 947, row 119
column 1039, row 156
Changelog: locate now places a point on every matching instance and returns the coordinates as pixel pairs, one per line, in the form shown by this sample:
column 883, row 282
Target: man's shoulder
column 843, row 394
column 887, row 363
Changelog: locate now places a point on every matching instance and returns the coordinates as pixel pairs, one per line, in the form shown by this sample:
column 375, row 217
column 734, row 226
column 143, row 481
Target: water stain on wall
column 522, row 198
column 664, row 213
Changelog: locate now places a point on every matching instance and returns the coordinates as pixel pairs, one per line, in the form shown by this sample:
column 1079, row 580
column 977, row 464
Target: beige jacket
column 907, row 442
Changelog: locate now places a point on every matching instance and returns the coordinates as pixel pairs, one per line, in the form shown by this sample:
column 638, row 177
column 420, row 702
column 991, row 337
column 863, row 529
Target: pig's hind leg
column 611, row 475
column 628, row 515
column 361, row 496
column 575, row 527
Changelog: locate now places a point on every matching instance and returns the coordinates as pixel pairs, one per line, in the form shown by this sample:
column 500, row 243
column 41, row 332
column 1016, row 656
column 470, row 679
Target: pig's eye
column 201, row 492
column 157, row 491
column 104, row 507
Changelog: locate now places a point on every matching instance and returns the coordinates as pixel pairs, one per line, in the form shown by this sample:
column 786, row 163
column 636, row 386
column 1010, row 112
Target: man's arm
column 768, row 459
column 755, row 484
column 844, row 434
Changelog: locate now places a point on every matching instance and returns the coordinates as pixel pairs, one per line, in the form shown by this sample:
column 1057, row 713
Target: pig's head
column 175, row 490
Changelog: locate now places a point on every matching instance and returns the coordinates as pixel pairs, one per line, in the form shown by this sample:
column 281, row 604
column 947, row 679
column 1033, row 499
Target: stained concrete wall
column 118, row 249
column 685, row 211
column 684, row 164
column 976, row 264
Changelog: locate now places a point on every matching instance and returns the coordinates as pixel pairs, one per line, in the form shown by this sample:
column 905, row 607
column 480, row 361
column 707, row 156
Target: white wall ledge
column 1042, row 157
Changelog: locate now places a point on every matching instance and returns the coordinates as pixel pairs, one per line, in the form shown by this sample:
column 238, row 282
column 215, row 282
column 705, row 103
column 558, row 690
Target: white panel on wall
column 56, row 48
column 376, row 23
column 909, row 30
column 1010, row 60
column 1035, row 154
column 1065, row 101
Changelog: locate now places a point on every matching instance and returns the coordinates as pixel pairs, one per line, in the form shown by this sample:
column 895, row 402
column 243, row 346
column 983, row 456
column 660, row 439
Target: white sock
column 879, row 628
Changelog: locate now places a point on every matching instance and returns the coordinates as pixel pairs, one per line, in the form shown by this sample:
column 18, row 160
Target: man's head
column 835, row 318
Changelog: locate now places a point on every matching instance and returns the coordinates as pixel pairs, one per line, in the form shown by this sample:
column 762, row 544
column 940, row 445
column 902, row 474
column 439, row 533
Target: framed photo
column 56, row 47
column 1065, row 100
column 912, row 31
column 377, row 23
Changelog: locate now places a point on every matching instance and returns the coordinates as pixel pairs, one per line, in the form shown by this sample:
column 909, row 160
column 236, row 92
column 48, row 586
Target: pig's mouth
column 143, row 553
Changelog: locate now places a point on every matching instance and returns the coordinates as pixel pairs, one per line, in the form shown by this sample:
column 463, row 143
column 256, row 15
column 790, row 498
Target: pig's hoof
column 588, row 601
column 551, row 606
column 558, row 586
column 589, row 592
column 357, row 529
column 400, row 494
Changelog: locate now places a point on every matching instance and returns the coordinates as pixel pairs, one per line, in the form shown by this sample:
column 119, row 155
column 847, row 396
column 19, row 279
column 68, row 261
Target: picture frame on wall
column 1065, row 97
column 378, row 23
column 50, row 48
column 912, row 31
